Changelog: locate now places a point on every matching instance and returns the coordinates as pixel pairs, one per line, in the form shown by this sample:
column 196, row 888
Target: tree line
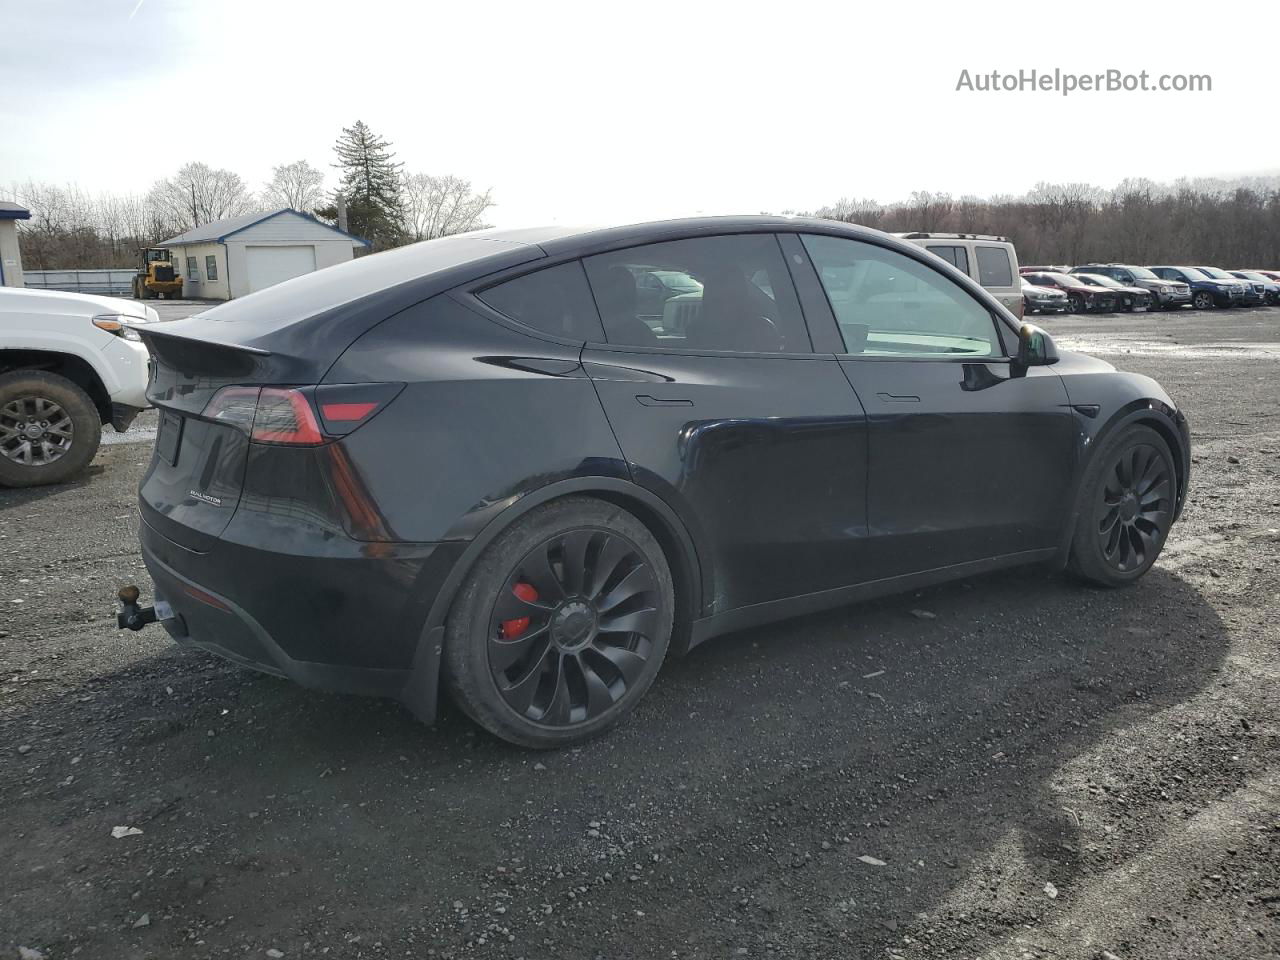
column 71, row 228
column 1234, row 223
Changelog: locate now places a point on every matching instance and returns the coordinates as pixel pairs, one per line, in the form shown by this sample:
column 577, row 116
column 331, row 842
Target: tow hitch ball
column 131, row 615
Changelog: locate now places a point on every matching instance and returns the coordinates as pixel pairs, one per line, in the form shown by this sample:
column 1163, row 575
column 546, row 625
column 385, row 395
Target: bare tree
column 441, row 206
column 297, row 185
column 199, row 194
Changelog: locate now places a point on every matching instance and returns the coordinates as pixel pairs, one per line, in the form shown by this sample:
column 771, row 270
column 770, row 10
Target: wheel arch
column 688, row 572
column 1148, row 412
column 75, row 368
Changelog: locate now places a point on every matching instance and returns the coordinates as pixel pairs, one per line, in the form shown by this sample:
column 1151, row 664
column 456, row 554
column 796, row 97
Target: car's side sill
column 761, row 613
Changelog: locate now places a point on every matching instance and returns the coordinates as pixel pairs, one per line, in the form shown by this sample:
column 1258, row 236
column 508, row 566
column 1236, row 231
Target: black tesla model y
column 526, row 466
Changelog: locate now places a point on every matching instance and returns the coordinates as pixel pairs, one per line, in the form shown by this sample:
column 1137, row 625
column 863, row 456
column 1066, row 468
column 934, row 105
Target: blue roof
column 11, row 211
column 217, row 231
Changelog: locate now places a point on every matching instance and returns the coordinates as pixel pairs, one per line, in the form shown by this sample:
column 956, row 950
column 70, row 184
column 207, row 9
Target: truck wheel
column 49, row 428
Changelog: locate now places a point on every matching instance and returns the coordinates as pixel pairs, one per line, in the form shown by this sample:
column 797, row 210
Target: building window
column 193, row 272
column 211, row 267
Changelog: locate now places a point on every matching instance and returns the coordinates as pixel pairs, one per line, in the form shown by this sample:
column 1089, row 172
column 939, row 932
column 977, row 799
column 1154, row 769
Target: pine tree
column 370, row 185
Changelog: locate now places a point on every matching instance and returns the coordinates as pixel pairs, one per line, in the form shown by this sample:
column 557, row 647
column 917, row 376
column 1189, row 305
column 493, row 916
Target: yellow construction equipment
column 158, row 276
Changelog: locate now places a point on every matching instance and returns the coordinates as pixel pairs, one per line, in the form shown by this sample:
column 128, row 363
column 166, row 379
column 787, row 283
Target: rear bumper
column 349, row 621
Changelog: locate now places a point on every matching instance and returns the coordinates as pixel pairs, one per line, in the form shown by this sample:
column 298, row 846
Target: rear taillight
column 267, row 414
column 345, row 406
column 285, row 415
column 234, row 406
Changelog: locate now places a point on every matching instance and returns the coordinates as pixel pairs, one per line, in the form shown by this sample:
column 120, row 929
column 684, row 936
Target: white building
column 234, row 257
column 10, row 255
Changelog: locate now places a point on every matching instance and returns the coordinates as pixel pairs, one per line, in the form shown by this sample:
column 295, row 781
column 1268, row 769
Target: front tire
column 1075, row 303
column 1127, row 502
column 1202, row 300
column 49, row 428
column 560, row 628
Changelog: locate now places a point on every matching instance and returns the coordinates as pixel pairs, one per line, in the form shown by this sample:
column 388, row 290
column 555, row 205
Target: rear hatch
column 193, row 485
column 208, row 374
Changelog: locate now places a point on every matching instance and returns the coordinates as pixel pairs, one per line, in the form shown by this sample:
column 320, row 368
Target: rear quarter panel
column 487, row 415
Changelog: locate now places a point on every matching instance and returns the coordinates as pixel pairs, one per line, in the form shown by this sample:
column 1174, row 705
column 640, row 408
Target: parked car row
column 1114, row 287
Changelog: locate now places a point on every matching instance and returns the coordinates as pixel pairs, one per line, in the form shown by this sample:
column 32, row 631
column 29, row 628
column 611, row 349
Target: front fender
column 89, row 346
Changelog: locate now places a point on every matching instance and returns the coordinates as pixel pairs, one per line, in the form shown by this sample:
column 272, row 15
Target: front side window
column 994, row 268
column 889, row 305
column 193, row 272
column 707, row 293
column 554, row 300
column 211, row 267
column 958, row 257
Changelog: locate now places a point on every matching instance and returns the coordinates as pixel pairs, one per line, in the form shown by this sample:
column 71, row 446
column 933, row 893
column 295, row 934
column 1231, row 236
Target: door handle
column 649, row 401
column 893, row 398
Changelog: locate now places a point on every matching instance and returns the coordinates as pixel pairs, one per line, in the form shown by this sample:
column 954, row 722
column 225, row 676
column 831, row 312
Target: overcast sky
column 606, row 110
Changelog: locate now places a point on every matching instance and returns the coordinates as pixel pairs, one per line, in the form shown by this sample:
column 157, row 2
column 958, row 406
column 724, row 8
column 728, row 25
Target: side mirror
column 1035, row 347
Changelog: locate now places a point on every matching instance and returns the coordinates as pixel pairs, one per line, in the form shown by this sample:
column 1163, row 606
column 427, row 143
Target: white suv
column 69, row 363
column 991, row 261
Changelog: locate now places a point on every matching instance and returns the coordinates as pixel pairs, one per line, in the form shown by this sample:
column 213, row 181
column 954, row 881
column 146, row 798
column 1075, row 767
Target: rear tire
column 49, row 428
column 1126, row 508
column 562, row 624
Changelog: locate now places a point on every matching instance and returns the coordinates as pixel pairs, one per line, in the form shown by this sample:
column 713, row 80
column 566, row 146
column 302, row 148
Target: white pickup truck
column 69, row 363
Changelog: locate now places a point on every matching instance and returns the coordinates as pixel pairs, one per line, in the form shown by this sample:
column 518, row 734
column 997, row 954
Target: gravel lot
column 1036, row 769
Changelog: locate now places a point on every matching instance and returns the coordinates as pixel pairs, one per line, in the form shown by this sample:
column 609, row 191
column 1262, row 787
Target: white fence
column 103, row 282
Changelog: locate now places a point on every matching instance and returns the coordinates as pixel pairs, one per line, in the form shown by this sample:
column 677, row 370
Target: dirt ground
column 1037, row 770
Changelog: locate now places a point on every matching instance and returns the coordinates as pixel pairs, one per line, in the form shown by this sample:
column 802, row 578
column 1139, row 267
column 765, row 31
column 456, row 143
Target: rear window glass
column 994, row 268
column 556, row 300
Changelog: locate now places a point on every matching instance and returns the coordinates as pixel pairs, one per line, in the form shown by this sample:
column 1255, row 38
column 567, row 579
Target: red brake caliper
column 511, row 629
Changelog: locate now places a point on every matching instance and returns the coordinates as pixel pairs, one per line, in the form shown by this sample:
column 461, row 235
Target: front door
column 969, row 456
column 722, row 408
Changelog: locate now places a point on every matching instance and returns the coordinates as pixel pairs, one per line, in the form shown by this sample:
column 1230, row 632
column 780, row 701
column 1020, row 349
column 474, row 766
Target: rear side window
column 958, row 257
column 707, row 293
column 555, row 300
column 994, row 268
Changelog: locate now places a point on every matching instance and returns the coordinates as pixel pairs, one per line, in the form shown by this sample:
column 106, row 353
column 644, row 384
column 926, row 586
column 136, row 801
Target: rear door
column 723, row 409
column 969, row 457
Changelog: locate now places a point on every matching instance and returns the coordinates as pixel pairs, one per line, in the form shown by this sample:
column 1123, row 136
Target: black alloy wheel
column 572, row 627
column 1128, row 505
column 1135, row 507
column 562, row 624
